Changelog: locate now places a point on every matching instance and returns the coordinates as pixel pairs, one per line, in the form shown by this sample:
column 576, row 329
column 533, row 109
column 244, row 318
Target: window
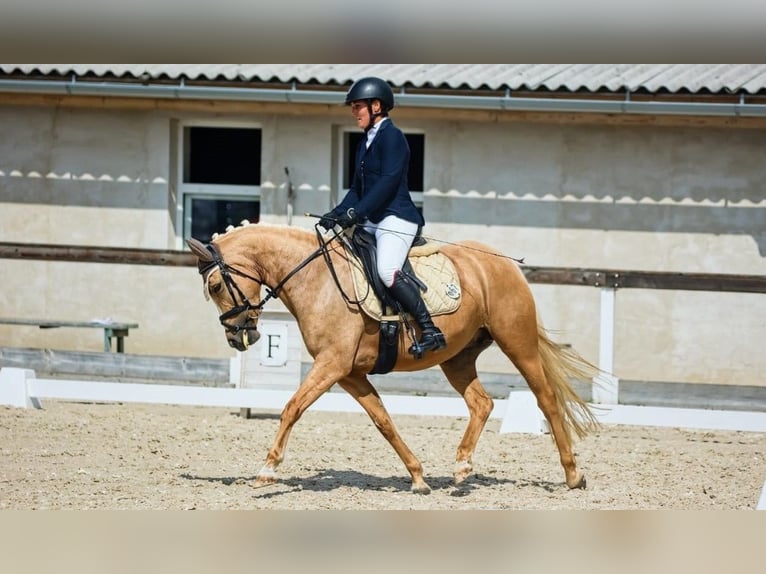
column 219, row 177
column 417, row 160
column 211, row 214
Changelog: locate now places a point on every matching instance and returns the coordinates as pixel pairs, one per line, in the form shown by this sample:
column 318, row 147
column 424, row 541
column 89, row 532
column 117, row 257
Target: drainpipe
column 506, row 102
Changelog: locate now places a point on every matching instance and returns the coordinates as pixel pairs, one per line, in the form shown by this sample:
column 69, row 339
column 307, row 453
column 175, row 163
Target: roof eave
column 507, row 102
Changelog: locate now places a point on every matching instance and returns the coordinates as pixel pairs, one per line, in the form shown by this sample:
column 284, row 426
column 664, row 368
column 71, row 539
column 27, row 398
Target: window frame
column 186, row 192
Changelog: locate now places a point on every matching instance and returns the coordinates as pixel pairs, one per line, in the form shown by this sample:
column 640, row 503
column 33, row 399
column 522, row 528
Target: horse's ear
column 199, row 249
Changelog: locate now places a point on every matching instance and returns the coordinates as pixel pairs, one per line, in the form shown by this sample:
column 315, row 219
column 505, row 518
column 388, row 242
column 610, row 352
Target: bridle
column 231, row 286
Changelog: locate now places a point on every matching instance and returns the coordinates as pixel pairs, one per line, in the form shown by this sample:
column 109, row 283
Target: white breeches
column 394, row 237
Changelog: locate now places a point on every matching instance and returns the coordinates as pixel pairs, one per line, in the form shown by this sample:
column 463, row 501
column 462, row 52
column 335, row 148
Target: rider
column 379, row 200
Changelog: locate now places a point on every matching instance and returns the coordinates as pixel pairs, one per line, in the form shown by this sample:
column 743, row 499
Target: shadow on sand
column 329, row 480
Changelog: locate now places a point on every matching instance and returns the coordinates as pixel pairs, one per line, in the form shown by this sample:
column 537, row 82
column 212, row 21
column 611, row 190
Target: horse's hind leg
column 522, row 347
column 532, row 371
column 461, row 373
column 365, row 394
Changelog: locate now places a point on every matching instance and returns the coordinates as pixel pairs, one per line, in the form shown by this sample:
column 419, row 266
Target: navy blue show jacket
column 379, row 187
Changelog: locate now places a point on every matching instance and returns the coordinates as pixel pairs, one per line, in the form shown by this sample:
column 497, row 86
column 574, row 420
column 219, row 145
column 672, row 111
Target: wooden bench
column 112, row 329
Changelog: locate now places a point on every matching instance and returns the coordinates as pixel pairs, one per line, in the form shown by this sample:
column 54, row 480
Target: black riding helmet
column 369, row 89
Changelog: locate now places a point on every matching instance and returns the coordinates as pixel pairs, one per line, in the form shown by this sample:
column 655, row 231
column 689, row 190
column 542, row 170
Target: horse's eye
column 216, row 287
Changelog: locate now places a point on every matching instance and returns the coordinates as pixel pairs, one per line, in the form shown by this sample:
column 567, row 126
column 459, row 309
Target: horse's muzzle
column 241, row 340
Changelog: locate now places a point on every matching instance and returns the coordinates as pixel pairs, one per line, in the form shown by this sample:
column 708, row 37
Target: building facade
column 627, row 170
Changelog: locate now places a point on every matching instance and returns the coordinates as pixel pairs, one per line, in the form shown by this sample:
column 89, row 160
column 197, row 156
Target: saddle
column 431, row 270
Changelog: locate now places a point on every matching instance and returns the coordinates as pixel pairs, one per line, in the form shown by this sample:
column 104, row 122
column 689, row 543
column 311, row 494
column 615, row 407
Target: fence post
column 523, row 415
column 606, row 386
column 14, row 388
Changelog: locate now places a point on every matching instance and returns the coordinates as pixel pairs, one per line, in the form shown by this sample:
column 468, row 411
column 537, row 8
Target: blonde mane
column 245, row 224
column 242, row 224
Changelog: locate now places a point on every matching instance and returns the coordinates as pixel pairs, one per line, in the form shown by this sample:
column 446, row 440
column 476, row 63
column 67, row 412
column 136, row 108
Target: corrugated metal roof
column 652, row 78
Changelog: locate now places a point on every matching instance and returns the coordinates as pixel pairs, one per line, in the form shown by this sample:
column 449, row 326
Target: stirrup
column 431, row 341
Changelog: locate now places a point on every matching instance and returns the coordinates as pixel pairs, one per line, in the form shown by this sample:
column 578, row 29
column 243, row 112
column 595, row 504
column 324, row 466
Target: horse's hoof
column 581, row 483
column 261, row 482
column 421, row 488
column 265, row 477
column 462, row 471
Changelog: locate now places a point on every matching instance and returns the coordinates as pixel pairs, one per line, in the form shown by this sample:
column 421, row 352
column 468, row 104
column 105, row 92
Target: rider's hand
column 348, row 219
column 327, row 221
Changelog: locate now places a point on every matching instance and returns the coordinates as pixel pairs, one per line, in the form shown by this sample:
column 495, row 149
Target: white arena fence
column 518, row 413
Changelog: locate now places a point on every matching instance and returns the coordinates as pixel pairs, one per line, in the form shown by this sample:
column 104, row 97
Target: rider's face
column 361, row 112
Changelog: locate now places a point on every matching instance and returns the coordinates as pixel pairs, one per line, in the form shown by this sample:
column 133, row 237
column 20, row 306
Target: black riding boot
column 408, row 294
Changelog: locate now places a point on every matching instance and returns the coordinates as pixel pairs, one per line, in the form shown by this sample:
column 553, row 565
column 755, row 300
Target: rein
column 245, row 305
column 331, row 267
column 442, row 241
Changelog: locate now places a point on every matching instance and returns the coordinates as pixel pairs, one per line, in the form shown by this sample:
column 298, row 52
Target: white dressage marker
column 523, row 415
column 14, row 388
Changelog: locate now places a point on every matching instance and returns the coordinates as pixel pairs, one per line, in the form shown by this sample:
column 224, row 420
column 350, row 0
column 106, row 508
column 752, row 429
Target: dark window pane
column 215, row 215
column 229, row 156
column 417, row 160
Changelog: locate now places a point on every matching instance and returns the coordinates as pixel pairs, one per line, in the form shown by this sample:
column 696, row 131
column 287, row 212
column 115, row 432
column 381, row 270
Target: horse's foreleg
column 461, row 373
column 365, row 394
column 316, row 383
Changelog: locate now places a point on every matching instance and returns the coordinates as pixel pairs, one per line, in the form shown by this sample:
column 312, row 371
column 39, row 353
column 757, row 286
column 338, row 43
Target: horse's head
column 232, row 290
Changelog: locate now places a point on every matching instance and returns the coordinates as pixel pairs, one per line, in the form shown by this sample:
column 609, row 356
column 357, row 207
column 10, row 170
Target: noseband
column 245, row 305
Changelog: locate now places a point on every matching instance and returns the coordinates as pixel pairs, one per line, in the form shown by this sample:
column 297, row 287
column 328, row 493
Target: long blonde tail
column 562, row 363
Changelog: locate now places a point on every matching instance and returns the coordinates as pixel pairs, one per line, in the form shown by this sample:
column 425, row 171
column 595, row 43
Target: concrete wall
column 71, row 176
column 649, row 198
column 646, row 197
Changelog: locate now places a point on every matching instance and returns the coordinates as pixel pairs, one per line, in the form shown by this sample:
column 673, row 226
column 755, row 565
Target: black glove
column 348, row 219
column 328, row 220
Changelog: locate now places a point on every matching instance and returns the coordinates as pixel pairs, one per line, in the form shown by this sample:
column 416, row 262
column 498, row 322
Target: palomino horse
column 497, row 305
